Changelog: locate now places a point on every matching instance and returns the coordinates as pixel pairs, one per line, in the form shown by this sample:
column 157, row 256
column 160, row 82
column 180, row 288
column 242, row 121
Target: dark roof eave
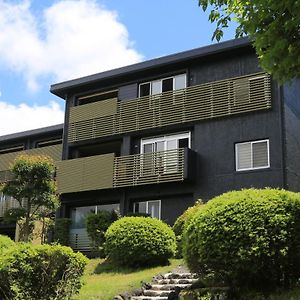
column 60, row 89
column 32, row 132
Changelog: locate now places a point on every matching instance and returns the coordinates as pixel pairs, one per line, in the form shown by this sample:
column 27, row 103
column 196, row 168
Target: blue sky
column 45, row 42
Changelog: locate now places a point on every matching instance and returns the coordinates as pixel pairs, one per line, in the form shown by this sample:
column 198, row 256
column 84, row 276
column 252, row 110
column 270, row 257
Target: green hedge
column 181, row 222
column 96, row 226
column 40, row 272
column 61, row 231
column 139, row 241
column 5, row 242
column 248, row 238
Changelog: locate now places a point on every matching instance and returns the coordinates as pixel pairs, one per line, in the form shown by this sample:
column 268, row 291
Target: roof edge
column 31, row 132
column 59, row 89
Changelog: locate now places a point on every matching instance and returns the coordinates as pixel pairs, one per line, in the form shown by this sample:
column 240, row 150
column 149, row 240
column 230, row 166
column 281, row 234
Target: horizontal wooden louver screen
column 93, row 110
column 149, row 168
column 6, row 160
column 85, row 174
column 195, row 103
column 106, row 171
column 79, row 240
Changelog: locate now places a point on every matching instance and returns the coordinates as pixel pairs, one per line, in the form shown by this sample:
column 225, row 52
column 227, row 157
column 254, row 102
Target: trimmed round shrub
column 96, row 226
column 139, row 241
column 5, row 242
column 40, row 272
column 248, row 238
column 182, row 222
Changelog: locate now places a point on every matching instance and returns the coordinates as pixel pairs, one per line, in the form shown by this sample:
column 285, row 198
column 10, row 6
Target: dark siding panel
column 128, row 92
column 291, row 94
column 214, row 143
column 172, row 207
column 222, row 68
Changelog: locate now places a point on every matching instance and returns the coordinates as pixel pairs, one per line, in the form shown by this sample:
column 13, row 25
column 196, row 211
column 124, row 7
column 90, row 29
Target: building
column 46, row 141
column 156, row 136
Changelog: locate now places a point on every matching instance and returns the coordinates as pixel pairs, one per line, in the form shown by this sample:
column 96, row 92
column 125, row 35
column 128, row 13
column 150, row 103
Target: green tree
column 274, row 27
column 34, row 187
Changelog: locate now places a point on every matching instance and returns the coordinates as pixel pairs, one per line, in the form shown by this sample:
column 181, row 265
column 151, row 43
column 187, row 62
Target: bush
column 139, row 241
column 181, row 222
column 248, row 238
column 5, row 242
column 96, row 226
column 40, row 272
column 61, row 231
column 137, row 214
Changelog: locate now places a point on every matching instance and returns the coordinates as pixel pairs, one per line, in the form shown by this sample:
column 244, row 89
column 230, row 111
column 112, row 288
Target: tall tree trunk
column 26, row 226
column 43, row 231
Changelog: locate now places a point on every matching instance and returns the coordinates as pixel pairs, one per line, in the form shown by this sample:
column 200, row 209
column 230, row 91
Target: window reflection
column 79, row 214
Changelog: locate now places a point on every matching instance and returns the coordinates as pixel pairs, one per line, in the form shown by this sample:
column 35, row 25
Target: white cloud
column 70, row 39
column 22, row 117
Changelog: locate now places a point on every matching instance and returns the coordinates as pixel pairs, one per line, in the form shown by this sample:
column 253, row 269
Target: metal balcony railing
column 205, row 101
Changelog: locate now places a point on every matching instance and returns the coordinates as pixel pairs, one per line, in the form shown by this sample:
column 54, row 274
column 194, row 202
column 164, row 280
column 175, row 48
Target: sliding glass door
column 159, row 157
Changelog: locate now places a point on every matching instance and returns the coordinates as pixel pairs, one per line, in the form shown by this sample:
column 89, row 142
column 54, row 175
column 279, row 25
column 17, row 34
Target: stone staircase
column 163, row 286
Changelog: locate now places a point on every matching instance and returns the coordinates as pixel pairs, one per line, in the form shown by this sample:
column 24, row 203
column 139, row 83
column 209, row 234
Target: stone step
column 179, row 276
column 170, row 287
column 157, row 293
column 163, row 284
column 148, row 298
column 174, row 281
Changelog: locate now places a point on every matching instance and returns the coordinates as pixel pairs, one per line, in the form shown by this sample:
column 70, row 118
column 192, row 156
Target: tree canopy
column 274, row 27
column 34, row 187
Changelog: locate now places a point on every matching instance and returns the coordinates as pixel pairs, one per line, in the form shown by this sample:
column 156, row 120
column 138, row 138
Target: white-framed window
column 152, row 207
column 252, row 155
column 166, row 142
column 159, row 86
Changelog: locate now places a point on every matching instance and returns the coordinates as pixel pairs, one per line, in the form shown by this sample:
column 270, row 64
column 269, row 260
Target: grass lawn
column 104, row 281
column 290, row 295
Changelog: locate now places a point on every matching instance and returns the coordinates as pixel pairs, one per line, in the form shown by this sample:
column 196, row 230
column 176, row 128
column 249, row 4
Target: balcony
column 200, row 102
column 152, row 168
column 7, row 203
column 7, row 159
column 106, row 171
column 85, row 174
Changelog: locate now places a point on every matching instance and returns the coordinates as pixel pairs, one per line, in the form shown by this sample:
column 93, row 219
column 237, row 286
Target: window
column 252, row 155
column 155, row 87
column 79, row 214
column 166, row 142
column 153, row 208
column 97, row 97
column 161, row 162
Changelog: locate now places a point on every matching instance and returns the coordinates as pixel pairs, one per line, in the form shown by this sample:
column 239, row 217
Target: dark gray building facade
column 156, row 136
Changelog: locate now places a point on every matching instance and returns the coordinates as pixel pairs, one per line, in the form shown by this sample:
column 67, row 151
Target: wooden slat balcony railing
column 149, row 168
column 205, row 101
column 7, row 159
column 85, row 174
column 106, row 171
